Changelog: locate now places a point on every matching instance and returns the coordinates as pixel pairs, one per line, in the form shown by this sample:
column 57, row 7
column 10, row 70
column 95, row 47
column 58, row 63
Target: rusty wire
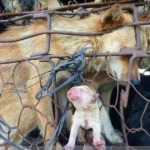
column 105, row 5
column 133, row 52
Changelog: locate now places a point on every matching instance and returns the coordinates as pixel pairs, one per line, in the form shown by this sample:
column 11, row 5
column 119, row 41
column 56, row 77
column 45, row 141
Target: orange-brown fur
column 10, row 102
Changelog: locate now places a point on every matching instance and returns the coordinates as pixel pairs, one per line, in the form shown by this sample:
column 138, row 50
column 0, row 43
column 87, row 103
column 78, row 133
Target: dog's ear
column 111, row 15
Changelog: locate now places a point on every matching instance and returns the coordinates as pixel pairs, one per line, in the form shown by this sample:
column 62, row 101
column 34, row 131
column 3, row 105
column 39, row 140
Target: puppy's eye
column 83, row 90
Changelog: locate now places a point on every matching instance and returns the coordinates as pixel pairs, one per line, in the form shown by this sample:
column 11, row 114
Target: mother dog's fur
column 26, row 77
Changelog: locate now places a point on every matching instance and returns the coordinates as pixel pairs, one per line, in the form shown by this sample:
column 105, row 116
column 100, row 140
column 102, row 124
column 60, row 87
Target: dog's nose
column 72, row 89
column 135, row 81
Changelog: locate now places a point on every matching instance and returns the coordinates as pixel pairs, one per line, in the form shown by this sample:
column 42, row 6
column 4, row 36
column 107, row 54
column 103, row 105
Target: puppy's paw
column 69, row 147
column 98, row 142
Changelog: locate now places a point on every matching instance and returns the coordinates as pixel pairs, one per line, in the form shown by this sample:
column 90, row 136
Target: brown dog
column 21, row 109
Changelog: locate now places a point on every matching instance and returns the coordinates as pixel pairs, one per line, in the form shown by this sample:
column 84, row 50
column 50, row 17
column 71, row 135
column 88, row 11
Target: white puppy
column 90, row 113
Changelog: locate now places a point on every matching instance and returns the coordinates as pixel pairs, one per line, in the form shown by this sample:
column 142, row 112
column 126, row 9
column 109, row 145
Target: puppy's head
column 82, row 97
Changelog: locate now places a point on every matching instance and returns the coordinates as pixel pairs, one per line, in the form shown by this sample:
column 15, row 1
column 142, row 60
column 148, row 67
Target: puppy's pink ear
column 96, row 96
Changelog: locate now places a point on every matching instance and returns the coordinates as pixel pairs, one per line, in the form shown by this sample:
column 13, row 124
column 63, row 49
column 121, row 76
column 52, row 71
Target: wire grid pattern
column 44, row 56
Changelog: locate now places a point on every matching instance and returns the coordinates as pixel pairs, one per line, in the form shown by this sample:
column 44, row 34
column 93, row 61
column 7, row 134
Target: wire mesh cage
column 20, row 112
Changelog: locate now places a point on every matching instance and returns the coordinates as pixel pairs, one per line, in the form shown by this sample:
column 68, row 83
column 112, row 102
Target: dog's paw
column 69, row 147
column 98, row 142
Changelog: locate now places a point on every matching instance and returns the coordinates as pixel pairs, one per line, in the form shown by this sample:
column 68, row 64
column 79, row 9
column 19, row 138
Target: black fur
column 133, row 113
column 27, row 5
column 2, row 10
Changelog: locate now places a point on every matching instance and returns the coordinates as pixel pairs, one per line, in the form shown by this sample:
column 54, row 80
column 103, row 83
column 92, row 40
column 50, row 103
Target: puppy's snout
column 135, row 81
column 72, row 90
column 72, row 94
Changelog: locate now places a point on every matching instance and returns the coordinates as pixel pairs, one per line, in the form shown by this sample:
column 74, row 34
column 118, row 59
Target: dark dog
column 133, row 114
column 2, row 10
